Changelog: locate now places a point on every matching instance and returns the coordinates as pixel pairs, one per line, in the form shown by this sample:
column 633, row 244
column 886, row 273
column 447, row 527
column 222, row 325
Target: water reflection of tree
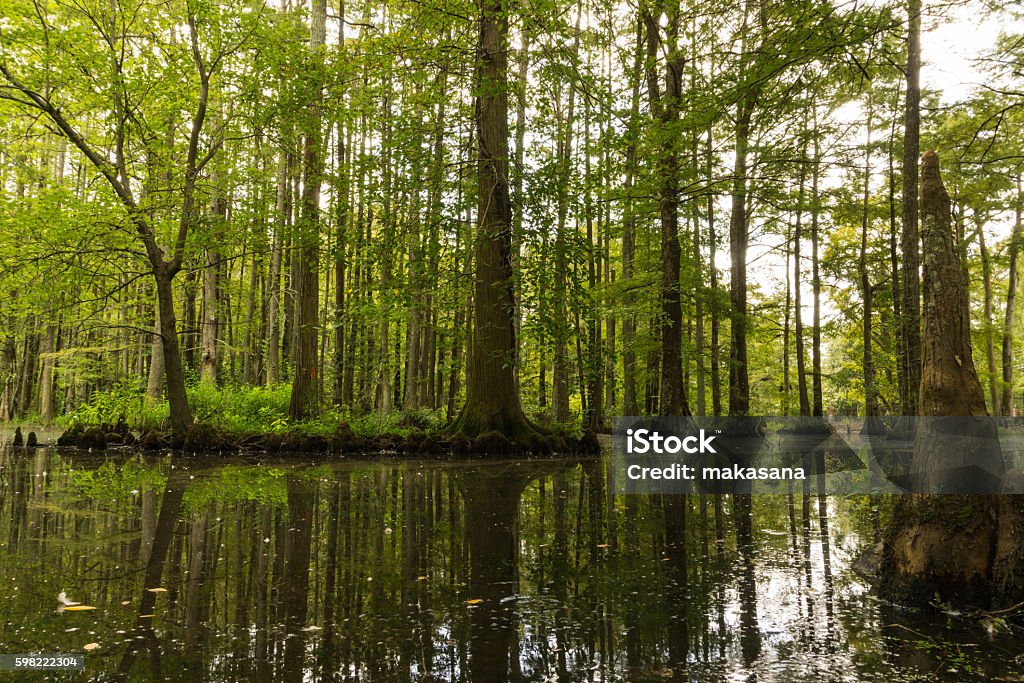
column 677, row 589
column 153, row 575
column 750, row 633
column 296, row 574
column 383, row 557
column 492, row 501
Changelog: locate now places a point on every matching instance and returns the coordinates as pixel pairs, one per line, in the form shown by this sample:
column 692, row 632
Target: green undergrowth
column 232, row 418
column 243, row 410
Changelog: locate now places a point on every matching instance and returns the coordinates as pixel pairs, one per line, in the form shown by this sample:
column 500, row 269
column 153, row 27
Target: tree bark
column 629, row 400
column 492, row 394
column 665, row 110
column 739, row 383
column 801, row 351
column 211, row 286
column 155, row 384
column 1012, row 280
column 305, row 398
column 911, row 294
column 990, row 341
column 950, row 545
column 47, row 404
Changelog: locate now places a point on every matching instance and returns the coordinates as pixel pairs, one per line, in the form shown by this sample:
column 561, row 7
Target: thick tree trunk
column 492, row 394
column 305, row 398
column 180, row 413
column 665, row 110
column 950, row 545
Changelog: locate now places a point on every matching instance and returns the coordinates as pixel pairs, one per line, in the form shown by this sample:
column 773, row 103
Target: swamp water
column 248, row 569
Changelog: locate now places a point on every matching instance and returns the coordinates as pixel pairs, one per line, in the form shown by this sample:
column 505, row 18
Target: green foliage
column 117, row 481
column 109, row 405
column 232, row 484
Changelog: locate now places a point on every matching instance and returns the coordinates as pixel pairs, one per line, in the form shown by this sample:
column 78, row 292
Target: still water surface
column 401, row 570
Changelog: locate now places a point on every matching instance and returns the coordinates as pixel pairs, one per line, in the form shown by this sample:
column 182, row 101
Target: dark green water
column 397, row 570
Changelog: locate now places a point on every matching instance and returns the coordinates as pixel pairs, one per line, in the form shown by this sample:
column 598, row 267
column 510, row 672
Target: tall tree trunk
column 594, row 417
column 990, row 337
column 947, row 545
column 739, row 384
column 281, row 213
column 629, row 400
column 211, row 284
column 911, row 295
column 866, row 291
column 560, row 390
column 305, row 399
column 817, row 401
column 716, row 311
column 1012, row 280
column 665, row 110
column 492, row 394
column 801, row 350
column 341, row 220
column 894, row 264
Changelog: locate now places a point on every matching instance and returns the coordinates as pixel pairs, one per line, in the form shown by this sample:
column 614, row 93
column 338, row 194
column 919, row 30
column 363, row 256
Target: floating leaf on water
column 126, row 602
column 157, row 590
column 146, row 616
column 311, row 628
column 90, row 646
column 474, row 601
column 77, row 608
column 421, row 578
column 602, row 545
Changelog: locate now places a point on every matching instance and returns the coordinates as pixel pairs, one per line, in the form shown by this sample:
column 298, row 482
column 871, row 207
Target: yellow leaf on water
column 474, row 601
column 157, row 590
column 78, row 608
column 602, row 545
column 90, row 646
column 126, row 602
column 146, row 616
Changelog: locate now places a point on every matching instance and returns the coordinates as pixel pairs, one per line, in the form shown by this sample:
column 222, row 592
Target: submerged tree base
column 962, row 550
column 206, row 438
